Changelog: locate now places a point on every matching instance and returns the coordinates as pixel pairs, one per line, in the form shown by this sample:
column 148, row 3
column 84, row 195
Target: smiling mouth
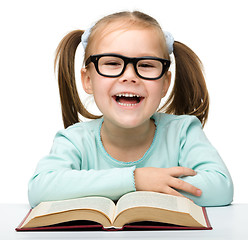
column 127, row 99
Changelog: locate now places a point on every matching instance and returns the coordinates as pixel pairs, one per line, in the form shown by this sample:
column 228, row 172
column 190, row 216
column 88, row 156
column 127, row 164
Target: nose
column 129, row 74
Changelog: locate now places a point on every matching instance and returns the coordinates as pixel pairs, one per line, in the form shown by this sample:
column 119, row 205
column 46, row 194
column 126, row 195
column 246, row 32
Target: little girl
column 134, row 145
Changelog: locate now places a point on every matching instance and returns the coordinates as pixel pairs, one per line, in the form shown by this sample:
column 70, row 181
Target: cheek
column 101, row 91
column 156, row 90
column 155, row 96
column 98, row 92
column 97, row 83
column 99, row 100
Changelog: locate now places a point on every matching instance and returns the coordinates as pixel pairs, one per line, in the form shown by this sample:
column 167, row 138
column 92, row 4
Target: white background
column 30, row 109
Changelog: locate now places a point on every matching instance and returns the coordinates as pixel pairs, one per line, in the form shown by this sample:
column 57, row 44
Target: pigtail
column 71, row 104
column 189, row 94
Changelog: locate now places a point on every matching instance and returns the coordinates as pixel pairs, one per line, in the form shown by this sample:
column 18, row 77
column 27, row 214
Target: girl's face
column 115, row 97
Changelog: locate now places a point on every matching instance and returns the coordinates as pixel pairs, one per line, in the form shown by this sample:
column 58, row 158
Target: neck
column 121, row 142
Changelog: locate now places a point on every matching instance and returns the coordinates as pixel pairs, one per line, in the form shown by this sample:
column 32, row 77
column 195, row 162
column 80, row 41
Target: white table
column 228, row 223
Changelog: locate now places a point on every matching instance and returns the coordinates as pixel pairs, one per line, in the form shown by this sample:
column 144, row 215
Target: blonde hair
column 189, row 94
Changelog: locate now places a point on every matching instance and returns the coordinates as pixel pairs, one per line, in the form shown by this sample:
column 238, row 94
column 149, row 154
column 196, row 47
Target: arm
column 212, row 175
column 201, row 175
column 63, row 174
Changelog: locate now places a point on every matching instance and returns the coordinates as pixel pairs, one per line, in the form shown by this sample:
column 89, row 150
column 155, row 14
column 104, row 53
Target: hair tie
column 169, row 39
column 85, row 36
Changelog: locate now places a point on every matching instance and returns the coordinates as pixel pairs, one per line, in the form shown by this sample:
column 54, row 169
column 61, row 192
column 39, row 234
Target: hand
column 165, row 180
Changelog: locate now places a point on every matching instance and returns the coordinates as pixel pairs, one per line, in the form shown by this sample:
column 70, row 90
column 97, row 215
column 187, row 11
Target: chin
column 131, row 123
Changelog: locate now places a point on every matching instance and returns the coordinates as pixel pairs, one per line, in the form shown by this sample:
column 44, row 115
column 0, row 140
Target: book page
column 101, row 204
column 197, row 213
column 151, row 199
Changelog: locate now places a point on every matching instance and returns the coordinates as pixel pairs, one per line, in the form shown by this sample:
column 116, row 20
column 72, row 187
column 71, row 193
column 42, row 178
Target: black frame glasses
column 95, row 59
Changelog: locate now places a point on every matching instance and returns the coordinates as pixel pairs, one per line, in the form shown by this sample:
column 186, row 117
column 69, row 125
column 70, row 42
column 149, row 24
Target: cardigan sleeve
column 212, row 177
column 60, row 176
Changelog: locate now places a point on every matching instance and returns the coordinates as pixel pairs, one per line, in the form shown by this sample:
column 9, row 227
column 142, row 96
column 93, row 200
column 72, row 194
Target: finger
column 184, row 186
column 181, row 171
column 172, row 191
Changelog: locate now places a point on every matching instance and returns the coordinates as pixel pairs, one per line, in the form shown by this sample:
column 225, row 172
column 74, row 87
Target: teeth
column 126, row 95
column 127, row 104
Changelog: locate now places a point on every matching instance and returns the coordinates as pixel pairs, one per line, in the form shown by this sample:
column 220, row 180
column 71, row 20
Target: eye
column 145, row 65
column 112, row 63
column 148, row 64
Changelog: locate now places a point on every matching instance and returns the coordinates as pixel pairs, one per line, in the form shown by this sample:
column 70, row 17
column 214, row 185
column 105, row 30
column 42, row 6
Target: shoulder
column 177, row 130
column 81, row 130
column 178, row 127
column 164, row 120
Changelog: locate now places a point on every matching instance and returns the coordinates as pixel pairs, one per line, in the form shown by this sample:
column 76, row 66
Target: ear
column 86, row 81
column 166, row 85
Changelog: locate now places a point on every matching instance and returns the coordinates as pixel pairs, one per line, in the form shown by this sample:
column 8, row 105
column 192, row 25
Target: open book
column 133, row 207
